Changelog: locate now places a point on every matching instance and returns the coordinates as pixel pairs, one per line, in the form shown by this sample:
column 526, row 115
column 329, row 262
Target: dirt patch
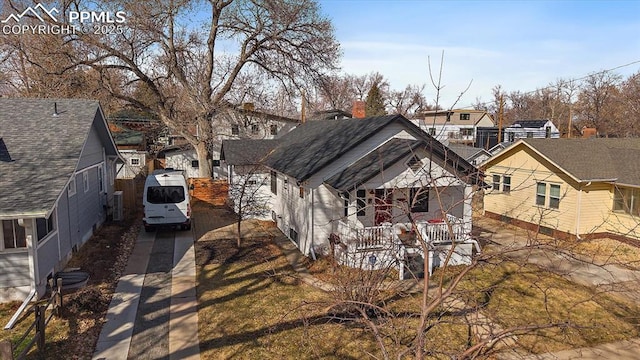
column 224, row 251
column 104, row 257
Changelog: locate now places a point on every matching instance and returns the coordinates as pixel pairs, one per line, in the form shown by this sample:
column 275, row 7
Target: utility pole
column 500, row 111
column 302, row 110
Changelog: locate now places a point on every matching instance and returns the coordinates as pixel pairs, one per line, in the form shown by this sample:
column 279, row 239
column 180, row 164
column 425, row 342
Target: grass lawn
column 251, row 305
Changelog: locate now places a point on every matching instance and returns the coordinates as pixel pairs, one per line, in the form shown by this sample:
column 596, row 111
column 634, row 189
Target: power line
column 569, row 80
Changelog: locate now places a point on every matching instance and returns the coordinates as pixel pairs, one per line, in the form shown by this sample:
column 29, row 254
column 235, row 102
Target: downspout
column 313, row 254
column 578, row 210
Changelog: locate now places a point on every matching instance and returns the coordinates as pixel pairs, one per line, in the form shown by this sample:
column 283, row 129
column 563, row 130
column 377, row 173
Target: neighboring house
column 455, row 126
column 527, row 129
column 132, row 147
column 567, row 187
column 473, row 155
column 57, row 169
column 182, row 158
column 333, row 114
column 232, row 123
column 357, row 180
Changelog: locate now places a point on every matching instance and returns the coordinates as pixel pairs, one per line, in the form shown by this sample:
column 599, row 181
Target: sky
column 520, row 45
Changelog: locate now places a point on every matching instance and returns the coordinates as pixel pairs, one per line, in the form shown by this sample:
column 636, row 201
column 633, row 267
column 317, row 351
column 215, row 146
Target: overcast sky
column 521, row 45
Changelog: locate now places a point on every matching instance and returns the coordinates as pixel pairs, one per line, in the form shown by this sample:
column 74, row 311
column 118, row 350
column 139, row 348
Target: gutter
column 18, row 313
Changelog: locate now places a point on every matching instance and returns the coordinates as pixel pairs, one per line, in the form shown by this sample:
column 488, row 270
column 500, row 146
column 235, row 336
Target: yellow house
column 567, row 187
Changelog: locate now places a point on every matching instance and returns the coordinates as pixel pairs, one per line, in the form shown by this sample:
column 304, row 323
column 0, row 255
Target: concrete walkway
column 153, row 312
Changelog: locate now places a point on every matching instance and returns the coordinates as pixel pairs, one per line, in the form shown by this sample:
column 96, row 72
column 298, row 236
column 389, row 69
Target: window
column 496, row 182
column 235, row 129
column 71, row 190
column 45, row 226
column 274, row 183
column 293, row 235
column 273, row 129
column 419, row 199
column 512, row 137
column 466, row 132
column 506, row 184
column 361, row 202
column 541, row 193
column 165, row 194
column 553, row 195
column 301, row 192
column 501, row 180
column 627, row 200
column 134, row 161
column 85, row 181
column 13, row 234
column 415, row 164
column 255, row 129
column 432, row 131
column 529, row 134
column 452, row 135
column 100, row 179
column 547, row 132
column 465, row 116
column 216, row 163
column 195, row 164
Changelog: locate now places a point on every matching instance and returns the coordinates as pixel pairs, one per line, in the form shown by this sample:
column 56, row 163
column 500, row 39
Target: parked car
column 166, row 200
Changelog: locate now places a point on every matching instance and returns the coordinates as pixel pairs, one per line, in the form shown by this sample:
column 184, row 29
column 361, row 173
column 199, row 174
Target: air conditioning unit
column 117, row 206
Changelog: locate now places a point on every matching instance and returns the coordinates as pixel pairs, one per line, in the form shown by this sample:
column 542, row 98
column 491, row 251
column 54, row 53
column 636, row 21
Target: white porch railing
column 384, row 242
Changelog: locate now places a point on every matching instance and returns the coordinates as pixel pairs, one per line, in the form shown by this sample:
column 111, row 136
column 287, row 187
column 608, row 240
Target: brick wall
column 211, row 191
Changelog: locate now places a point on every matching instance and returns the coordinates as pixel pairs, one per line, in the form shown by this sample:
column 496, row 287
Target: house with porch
column 567, row 188
column 527, row 129
column 57, row 170
column 369, row 190
column 455, row 126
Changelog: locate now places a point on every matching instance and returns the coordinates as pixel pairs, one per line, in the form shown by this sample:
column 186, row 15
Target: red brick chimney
column 358, row 111
column 589, row 132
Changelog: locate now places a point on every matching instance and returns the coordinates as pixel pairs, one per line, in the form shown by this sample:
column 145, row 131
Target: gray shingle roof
column 315, row 144
column 594, row 159
column 246, row 151
column 44, row 150
column 372, row 164
column 467, row 152
column 536, row 124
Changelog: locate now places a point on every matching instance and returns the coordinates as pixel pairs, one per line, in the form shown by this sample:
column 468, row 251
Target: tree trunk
column 239, row 234
column 204, row 164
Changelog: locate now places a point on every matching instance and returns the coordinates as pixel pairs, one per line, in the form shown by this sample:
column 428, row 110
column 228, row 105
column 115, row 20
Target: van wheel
column 149, row 228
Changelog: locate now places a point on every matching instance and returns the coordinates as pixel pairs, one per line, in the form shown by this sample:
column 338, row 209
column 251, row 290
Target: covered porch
column 447, row 242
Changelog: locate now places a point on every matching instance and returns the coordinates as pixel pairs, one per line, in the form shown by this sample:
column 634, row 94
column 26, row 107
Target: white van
column 166, row 200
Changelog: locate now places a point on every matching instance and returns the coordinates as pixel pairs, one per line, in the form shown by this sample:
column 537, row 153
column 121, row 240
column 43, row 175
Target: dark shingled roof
column 536, row 124
column 594, row 159
column 374, row 163
column 41, row 151
column 466, row 152
column 314, row 144
column 246, row 151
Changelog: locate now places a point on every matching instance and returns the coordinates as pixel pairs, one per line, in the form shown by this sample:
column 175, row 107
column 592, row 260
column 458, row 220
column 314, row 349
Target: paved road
column 153, row 314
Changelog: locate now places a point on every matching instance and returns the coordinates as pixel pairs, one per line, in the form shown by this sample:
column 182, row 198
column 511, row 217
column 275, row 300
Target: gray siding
column 92, row 151
column 90, row 204
column 48, row 258
column 15, row 269
column 64, row 225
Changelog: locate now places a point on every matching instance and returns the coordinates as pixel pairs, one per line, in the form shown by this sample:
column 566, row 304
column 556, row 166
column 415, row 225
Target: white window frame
column 72, row 188
column 14, row 224
column 548, row 197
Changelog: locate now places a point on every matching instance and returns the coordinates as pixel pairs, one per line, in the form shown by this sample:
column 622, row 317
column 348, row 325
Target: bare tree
column 246, row 195
column 192, row 69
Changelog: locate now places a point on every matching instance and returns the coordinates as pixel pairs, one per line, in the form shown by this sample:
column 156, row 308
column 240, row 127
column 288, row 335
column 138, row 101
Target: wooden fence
column 132, row 190
column 26, row 343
